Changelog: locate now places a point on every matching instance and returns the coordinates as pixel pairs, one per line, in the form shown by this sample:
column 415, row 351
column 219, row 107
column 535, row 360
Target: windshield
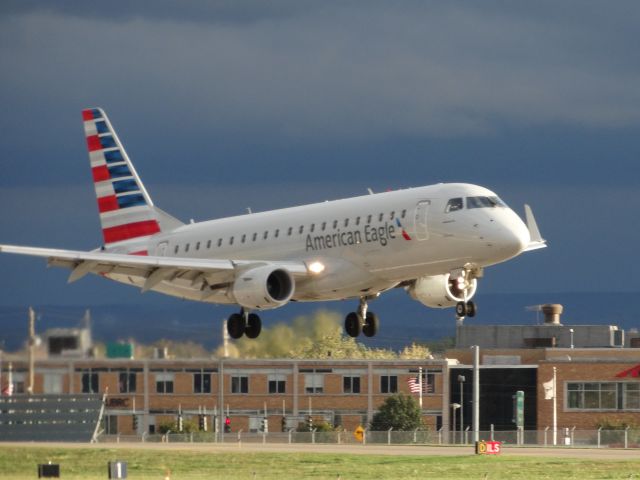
column 454, row 204
column 484, row 202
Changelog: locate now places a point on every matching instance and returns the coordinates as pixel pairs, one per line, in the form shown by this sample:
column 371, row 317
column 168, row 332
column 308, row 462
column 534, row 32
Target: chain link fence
column 564, row 437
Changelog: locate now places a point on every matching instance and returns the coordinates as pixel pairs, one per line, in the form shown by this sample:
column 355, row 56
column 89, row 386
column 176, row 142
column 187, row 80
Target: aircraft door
column 420, row 220
column 161, row 249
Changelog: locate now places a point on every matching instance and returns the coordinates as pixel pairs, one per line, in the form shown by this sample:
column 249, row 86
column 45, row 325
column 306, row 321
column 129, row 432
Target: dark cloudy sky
column 228, row 104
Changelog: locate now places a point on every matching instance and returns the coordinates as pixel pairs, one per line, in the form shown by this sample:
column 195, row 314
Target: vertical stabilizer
column 126, row 210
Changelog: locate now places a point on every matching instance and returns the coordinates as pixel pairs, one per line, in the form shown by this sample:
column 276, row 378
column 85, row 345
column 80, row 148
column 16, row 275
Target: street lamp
column 454, row 407
column 461, row 380
column 571, row 334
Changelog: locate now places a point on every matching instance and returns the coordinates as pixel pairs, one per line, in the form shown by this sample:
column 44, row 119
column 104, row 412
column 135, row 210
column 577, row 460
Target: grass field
column 19, row 463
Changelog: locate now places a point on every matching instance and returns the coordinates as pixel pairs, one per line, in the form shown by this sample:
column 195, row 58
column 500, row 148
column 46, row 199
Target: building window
column 388, row 384
column 313, row 383
column 164, row 382
column 631, row 395
column 592, row 396
column 18, row 382
column 240, row 384
column 277, row 383
column 201, row 383
column 350, row 384
column 52, row 383
column 90, row 382
column 127, row 382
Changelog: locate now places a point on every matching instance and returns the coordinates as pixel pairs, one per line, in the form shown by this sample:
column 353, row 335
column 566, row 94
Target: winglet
column 536, row 238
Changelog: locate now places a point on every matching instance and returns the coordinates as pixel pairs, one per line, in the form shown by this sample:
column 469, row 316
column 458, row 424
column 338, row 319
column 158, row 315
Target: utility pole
column 32, row 346
column 476, row 394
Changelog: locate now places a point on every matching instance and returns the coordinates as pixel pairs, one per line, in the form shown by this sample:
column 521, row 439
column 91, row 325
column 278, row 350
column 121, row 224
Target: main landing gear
column 465, row 309
column 361, row 321
column 244, row 323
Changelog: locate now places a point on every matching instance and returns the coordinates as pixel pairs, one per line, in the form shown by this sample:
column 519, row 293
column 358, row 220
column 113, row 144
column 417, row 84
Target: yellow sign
column 358, row 433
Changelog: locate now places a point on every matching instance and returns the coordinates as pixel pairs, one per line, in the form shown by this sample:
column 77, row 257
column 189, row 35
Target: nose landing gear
column 361, row 321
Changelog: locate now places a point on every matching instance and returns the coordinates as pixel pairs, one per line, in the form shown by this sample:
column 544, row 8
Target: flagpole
column 420, row 383
column 555, row 410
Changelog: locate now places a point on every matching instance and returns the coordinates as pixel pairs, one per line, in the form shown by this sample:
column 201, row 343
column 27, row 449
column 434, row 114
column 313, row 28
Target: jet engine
column 263, row 287
column 442, row 291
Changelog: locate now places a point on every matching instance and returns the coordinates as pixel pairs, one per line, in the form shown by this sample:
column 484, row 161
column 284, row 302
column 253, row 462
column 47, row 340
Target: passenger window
column 208, row 244
column 255, row 236
column 175, row 250
column 392, row 215
column 357, row 220
column 324, row 225
column 244, row 237
column 277, row 232
column 219, row 242
column 230, row 240
column 380, row 217
column 186, row 248
column 404, row 213
column 313, row 226
column 265, row 234
column 289, row 231
column 346, row 222
column 368, row 218
column 301, row 229
column 453, row 205
column 335, row 224
column 198, row 246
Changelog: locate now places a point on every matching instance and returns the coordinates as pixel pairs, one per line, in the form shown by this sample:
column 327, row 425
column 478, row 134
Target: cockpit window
column 484, row 202
column 454, row 204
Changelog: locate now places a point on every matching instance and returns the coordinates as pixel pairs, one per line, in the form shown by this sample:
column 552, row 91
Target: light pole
column 454, row 407
column 461, row 380
column 571, row 334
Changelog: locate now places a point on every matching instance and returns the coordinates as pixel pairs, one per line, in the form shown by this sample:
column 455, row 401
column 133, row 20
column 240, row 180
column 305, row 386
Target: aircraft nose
column 514, row 237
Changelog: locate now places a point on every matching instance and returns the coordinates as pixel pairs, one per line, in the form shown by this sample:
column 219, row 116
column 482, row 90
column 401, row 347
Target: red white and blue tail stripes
column 126, row 210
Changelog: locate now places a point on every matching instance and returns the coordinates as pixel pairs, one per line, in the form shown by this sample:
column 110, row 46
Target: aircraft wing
column 151, row 268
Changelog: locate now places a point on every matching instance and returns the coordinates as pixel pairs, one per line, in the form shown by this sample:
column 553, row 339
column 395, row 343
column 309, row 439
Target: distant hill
column 402, row 320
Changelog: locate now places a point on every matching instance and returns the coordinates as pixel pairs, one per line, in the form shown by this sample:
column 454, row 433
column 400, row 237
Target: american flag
column 414, row 385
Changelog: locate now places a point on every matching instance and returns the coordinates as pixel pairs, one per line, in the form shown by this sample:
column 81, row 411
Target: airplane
column 433, row 241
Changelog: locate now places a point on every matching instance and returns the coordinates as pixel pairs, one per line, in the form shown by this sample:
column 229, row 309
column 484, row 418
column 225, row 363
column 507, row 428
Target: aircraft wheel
column 461, row 309
column 471, row 309
column 236, row 325
column 371, row 323
column 254, row 326
column 352, row 324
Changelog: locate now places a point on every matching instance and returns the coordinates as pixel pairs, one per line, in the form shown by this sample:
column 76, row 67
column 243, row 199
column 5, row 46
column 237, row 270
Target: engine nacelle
column 263, row 287
column 441, row 291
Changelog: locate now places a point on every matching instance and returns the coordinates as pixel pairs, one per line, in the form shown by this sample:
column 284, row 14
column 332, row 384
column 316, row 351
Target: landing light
column 316, row 267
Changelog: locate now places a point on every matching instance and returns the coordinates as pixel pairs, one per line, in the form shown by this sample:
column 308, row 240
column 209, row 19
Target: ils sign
column 488, row 448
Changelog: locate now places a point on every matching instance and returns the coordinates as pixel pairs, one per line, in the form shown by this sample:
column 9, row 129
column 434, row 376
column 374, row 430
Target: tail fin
column 126, row 210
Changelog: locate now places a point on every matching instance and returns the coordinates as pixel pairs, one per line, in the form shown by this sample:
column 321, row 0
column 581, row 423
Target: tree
column 401, row 412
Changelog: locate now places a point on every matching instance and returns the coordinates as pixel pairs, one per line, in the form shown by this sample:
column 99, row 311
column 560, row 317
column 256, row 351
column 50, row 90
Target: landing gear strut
column 361, row 321
column 244, row 323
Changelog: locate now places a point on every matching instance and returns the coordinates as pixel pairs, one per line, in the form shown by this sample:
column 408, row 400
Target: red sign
column 488, row 448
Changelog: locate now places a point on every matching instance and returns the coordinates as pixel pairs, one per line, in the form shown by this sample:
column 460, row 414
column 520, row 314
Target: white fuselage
column 359, row 241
